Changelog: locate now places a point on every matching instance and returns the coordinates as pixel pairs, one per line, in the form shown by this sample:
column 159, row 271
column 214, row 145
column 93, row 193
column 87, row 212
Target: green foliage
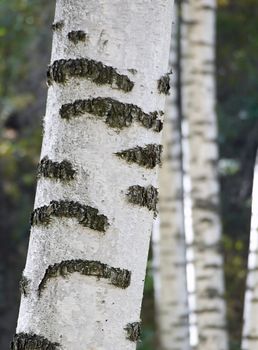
column 18, row 25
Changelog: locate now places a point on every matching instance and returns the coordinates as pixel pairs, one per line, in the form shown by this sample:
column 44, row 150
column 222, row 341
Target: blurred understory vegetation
column 25, row 38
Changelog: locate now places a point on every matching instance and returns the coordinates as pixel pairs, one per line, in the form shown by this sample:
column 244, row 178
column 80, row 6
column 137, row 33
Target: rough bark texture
column 199, row 111
column 170, row 278
column 115, row 63
column 250, row 324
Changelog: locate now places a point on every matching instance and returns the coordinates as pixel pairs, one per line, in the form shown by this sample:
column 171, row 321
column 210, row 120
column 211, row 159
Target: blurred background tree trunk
column 198, row 94
column 169, row 248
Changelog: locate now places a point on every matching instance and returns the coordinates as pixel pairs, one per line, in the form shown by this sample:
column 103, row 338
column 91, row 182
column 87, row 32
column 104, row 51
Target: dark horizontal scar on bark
column 206, row 205
column 251, row 337
column 86, row 215
column 118, row 277
column 55, row 170
column 143, row 196
column 30, row 341
column 24, row 285
column 132, row 70
column 92, row 70
column 58, row 25
column 115, row 114
column 133, row 331
column 207, row 310
column 148, row 156
column 77, row 35
column 164, row 84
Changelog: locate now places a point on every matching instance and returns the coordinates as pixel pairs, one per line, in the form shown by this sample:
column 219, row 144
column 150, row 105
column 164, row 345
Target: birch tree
column 168, row 238
column 96, row 194
column 199, row 111
column 250, row 324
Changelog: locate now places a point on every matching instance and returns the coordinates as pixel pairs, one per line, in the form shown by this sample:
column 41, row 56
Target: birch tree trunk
column 96, row 195
column 170, row 282
column 199, row 111
column 250, row 326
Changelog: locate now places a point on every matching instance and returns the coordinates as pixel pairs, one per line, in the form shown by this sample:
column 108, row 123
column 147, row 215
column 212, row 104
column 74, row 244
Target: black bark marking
column 29, row 341
column 213, row 293
column 55, row 170
column 164, row 84
column 206, row 204
column 86, row 215
column 77, row 35
column 143, row 196
column 118, row 277
column 132, row 70
column 133, row 331
column 92, row 70
column 251, row 337
column 148, row 156
column 207, row 310
column 24, row 285
column 116, row 114
column 58, row 25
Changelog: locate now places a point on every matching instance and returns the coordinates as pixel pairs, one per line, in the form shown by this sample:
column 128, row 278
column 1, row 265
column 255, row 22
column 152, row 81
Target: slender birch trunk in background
column 199, row 111
column 170, row 281
column 250, row 324
column 96, row 196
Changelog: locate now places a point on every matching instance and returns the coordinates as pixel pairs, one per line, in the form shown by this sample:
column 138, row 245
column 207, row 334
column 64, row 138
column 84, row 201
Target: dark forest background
column 25, row 46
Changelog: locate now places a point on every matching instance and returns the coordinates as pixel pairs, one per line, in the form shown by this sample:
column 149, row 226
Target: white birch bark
column 250, row 324
column 168, row 238
column 71, row 300
column 199, row 111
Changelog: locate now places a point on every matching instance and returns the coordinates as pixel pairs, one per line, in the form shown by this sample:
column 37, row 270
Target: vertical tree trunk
column 199, row 111
column 171, row 289
column 96, row 195
column 250, row 327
